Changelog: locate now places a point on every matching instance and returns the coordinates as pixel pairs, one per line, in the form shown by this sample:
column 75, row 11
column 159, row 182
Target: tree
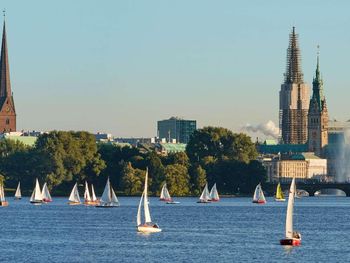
column 220, row 144
column 132, row 179
column 198, row 178
column 156, row 172
column 177, row 179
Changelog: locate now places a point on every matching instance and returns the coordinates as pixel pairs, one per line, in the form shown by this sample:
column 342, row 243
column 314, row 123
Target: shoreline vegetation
column 62, row 158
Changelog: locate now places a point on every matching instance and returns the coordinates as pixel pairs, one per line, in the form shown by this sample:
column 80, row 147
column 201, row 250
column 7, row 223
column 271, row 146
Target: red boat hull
column 259, row 202
column 165, row 199
column 290, row 242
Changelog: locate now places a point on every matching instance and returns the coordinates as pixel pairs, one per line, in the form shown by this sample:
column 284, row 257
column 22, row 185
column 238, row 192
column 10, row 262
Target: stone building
column 294, row 98
column 318, row 116
column 7, row 104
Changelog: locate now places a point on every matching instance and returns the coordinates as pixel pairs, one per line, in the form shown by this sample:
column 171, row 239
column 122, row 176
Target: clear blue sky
column 119, row 66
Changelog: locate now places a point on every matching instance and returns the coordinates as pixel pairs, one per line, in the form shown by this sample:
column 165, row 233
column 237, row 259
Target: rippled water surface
column 233, row 230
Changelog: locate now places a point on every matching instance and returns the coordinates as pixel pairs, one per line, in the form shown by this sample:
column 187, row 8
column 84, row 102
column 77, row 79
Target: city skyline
column 135, row 64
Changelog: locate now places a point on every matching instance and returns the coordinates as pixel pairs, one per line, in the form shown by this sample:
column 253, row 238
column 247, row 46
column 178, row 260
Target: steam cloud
column 268, row 129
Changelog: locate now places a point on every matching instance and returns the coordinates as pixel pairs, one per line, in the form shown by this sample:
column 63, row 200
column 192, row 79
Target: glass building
column 176, row 129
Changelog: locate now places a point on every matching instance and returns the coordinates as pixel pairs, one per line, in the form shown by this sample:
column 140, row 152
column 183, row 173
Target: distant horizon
column 120, row 67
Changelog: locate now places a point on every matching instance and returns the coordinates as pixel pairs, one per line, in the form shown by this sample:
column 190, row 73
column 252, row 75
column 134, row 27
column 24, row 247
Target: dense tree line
column 62, row 158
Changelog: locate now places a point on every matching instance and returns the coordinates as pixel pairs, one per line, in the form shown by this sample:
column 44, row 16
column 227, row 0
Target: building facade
column 7, row 104
column 176, row 129
column 294, row 98
column 318, row 116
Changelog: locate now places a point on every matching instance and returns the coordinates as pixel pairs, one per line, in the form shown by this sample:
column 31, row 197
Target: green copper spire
column 317, row 84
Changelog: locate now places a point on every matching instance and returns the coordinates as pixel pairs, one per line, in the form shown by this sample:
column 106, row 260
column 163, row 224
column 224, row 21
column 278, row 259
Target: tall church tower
column 7, row 105
column 318, row 115
column 294, row 97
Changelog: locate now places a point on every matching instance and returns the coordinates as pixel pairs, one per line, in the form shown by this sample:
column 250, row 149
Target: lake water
column 233, row 230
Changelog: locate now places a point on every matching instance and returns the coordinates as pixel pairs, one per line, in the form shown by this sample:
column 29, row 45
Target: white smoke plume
column 269, row 129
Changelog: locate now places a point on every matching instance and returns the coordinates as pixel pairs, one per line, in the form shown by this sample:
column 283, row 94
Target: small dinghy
column 3, row 201
column 36, row 197
column 293, row 238
column 279, row 194
column 165, row 196
column 18, row 194
column 259, row 197
column 74, row 198
column 46, row 194
column 205, row 196
column 214, row 195
column 108, row 198
column 90, row 199
column 147, row 226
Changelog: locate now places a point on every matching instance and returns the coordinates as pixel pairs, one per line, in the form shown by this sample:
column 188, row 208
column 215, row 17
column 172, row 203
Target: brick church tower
column 7, row 105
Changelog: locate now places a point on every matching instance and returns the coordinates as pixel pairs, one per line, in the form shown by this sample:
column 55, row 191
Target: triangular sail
column 36, row 195
column 87, row 197
column 261, row 195
column 114, row 200
column 214, row 195
column 279, row 193
column 289, row 217
column 164, row 195
column 93, row 198
column 258, row 194
column 106, row 195
column 74, row 195
column 205, row 196
column 46, row 193
column 145, row 201
column 18, row 193
column 139, row 211
column 2, row 193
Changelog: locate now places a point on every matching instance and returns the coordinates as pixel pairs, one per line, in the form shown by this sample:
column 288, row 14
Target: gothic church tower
column 7, row 105
column 318, row 116
column 294, row 98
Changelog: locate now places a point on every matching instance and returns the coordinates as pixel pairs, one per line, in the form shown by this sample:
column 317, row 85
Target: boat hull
column 290, row 242
column 148, row 229
column 92, row 203
column 172, row 203
column 280, row 200
column 107, row 206
column 165, row 199
column 17, row 198
column 47, row 200
column 260, row 202
column 36, row 202
column 203, row 202
column 74, row 203
column 4, row 203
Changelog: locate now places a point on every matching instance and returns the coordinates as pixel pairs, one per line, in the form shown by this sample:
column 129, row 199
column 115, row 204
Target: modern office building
column 176, row 129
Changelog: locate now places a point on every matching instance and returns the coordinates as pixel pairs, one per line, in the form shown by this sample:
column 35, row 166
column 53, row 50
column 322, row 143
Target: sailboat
column 279, row 194
column 205, row 196
column 36, row 197
column 165, row 196
column 18, row 194
column 46, row 194
column 94, row 199
column 258, row 196
column 214, row 195
column 3, row 201
column 74, row 198
column 148, row 226
column 292, row 238
column 108, row 198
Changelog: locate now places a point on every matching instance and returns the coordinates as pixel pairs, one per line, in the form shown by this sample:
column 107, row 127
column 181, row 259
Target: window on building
column 7, row 121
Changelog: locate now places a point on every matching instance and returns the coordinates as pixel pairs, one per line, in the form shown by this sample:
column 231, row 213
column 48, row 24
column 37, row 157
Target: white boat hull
column 148, row 229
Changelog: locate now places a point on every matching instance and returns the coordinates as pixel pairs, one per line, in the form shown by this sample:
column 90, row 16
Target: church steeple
column 5, row 84
column 317, row 86
column 294, row 72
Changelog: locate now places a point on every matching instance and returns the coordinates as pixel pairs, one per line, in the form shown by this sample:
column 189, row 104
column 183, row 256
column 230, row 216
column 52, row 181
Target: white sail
column 18, row 193
column 106, row 195
column 139, row 211
column 74, row 195
column 36, row 195
column 214, row 195
column 87, row 193
column 46, row 194
column 114, row 198
column 145, row 201
column 289, row 217
column 164, row 195
column 93, row 198
column 259, row 194
column 2, row 193
column 205, row 194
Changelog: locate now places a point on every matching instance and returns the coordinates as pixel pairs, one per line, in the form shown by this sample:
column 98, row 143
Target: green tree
column 177, row 179
column 156, row 172
column 220, row 144
column 198, row 178
column 132, row 179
